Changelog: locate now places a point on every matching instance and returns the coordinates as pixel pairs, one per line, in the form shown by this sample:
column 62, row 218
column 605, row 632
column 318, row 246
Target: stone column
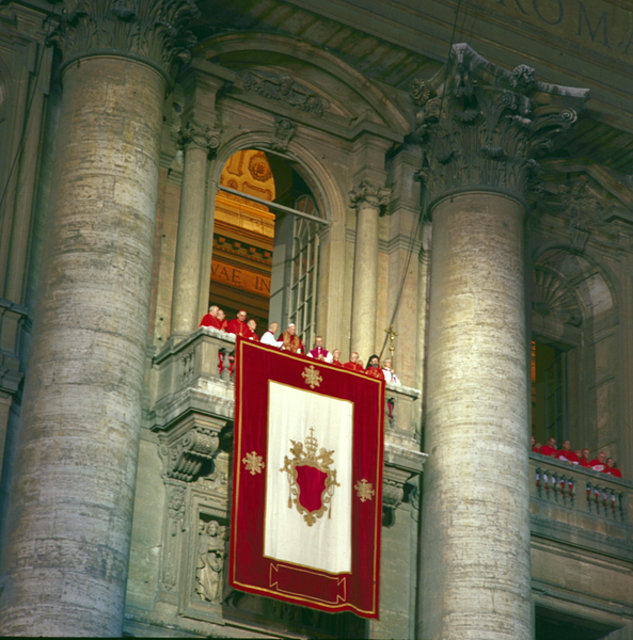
column 475, row 531
column 367, row 198
column 69, row 516
column 198, row 142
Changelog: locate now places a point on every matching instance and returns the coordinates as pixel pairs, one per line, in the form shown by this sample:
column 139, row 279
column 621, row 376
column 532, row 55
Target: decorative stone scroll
column 189, row 447
column 486, row 126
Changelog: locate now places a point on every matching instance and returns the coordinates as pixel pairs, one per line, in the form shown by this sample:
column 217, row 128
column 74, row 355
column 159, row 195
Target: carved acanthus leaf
column 370, row 193
column 151, row 30
column 492, row 126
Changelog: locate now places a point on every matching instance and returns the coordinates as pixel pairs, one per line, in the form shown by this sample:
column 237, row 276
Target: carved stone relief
column 173, row 529
column 367, row 193
column 283, row 88
column 486, row 126
column 209, row 575
column 189, row 447
column 284, row 130
column 154, row 31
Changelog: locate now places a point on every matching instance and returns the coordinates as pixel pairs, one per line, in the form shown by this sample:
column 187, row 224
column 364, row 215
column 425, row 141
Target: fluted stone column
column 198, row 142
column 69, row 518
column 368, row 199
column 475, row 530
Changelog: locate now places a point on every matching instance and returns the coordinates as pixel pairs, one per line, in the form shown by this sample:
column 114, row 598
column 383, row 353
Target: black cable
column 18, row 152
column 422, row 216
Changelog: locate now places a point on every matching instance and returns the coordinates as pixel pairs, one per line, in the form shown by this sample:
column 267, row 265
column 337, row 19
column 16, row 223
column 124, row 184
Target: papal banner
column 307, row 481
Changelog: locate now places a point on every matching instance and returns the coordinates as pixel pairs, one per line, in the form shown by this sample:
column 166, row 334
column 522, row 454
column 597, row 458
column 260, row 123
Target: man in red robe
column 566, row 454
column 238, row 325
column 584, row 458
column 291, row 341
column 211, row 319
column 252, row 326
column 224, row 323
column 550, row 448
column 599, row 464
column 353, row 364
column 612, row 468
column 373, row 369
column 336, row 358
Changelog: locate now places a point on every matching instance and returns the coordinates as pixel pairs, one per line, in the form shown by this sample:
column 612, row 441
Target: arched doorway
column 266, row 243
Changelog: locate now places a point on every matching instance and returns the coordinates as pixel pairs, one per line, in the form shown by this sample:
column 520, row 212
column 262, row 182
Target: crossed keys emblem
column 311, row 481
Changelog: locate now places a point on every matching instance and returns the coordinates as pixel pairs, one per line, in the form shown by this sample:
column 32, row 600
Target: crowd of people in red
column 290, row 341
column 580, row 457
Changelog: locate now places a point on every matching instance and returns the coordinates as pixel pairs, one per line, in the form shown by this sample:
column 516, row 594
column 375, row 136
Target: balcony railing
column 193, row 397
column 580, row 506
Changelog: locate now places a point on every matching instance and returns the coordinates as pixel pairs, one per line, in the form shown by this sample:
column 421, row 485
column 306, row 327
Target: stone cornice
column 150, row 31
column 485, row 127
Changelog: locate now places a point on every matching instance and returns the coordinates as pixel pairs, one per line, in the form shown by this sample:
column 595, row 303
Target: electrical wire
column 20, row 148
column 422, row 215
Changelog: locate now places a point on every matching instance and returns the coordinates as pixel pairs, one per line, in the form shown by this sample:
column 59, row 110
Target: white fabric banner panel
column 309, row 479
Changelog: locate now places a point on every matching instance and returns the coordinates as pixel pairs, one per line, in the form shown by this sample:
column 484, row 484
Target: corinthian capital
column 366, row 192
column 148, row 30
column 192, row 133
column 490, row 126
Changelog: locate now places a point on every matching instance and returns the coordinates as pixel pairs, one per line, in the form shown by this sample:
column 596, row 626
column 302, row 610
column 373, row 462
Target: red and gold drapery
column 307, row 480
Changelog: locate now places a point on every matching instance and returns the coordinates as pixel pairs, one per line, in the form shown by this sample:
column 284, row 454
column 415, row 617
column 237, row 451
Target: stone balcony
column 192, row 409
column 581, row 507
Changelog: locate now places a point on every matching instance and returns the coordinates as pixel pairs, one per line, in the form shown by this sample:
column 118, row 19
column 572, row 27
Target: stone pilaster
column 69, row 516
column 198, row 142
column 481, row 144
column 368, row 199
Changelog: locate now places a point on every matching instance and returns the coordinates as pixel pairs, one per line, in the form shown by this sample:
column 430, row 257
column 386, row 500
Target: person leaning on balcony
column 336, row 358
column 536, row 446
column 584, row 458
column 612, row 468
column 224, row 323
column 291, row 341
column 211, row 319
column 320, row 352
column 373, row 369
column 269, row 336
column 238, row 325
column 388, row 372
column 549, row 449
column 598, row 464
column 252, row 326
column 566, row 454
column 353, row 364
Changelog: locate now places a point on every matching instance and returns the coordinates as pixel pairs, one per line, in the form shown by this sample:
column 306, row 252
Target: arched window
column 266, row 243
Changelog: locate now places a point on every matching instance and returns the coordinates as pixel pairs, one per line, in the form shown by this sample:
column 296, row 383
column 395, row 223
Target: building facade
column 445, row 182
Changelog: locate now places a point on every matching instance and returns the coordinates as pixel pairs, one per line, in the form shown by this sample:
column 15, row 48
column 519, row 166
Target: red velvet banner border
column 249, row 569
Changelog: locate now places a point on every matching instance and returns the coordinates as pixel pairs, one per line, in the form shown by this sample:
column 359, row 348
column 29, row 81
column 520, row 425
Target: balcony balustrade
column 578, row 506
column 192, row 404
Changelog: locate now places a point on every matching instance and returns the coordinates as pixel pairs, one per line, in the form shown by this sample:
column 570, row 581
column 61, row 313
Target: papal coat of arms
column 311, row 481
